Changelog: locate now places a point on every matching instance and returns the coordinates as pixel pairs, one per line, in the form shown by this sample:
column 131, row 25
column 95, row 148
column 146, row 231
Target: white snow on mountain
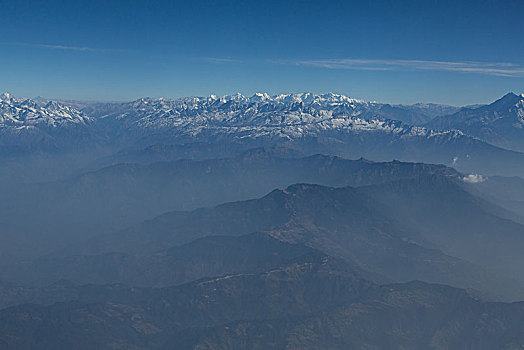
column 26, row 113
column 203, row 119
column 288, row 116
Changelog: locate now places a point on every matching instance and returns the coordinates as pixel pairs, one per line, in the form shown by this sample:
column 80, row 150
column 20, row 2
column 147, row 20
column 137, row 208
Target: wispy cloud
column 63, row 47
column 218, row 60
column 489, row 68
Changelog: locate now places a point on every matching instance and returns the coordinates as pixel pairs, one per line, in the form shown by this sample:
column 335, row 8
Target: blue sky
column 455, row 52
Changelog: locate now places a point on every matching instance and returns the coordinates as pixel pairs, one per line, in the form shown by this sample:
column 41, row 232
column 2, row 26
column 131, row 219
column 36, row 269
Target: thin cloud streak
column 63, row 47
column 489, row 68
column 218, row 60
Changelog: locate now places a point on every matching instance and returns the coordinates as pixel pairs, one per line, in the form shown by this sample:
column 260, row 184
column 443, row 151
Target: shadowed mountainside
column 308, row 303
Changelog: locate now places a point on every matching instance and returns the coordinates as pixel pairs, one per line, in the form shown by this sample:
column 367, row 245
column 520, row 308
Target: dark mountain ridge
column 305, row 304
column 125, row 194
column 398, row 234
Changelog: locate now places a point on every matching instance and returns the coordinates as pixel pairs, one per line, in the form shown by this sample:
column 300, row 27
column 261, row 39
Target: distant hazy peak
column 5, row 96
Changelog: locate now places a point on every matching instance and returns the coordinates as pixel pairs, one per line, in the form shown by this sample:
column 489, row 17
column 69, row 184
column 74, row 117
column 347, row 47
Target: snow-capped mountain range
column 28, row 113
column 328, row 123
column 32, row 125
column 288, row 116
column 292, row 112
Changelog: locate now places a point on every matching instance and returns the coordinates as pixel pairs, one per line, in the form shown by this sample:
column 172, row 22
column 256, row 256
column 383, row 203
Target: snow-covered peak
column 18, row 113
column 260, row 97
column 261, row 116
column 286, row 116
column 309, row 98
column 5, row 96
column 323, row 101
column 236, row 97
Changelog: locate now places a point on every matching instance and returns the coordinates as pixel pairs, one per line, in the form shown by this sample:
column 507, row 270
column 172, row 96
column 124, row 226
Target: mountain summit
column 32, row 124
column 311, row 123
column 500, row 123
